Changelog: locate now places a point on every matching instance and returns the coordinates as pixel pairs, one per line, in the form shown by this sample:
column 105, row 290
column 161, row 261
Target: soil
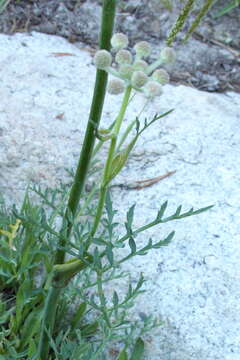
column 209, row 61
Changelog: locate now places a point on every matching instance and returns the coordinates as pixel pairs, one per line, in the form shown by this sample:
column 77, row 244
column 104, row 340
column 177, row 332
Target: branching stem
column 111, row 153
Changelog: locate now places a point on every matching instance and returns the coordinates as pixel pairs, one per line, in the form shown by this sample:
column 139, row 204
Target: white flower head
column 123, row 57
column 119, row 41
column 161, row 76
column 116, row 86
column 102, row 59
column 138, row 79
column 140, row 65
column 126, row 71
column 168, row 55
column 143, row 49
column 152, row 89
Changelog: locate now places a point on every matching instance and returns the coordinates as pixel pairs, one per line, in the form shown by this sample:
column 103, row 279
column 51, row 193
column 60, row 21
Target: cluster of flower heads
column 134, row 71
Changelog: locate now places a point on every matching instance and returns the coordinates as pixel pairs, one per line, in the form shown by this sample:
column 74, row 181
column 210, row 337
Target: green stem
column 48, row 322
column 102, row 299
column 107, row 23
column 111, row 153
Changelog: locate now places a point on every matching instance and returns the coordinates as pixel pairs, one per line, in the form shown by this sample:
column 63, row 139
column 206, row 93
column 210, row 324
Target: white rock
column 43, row 112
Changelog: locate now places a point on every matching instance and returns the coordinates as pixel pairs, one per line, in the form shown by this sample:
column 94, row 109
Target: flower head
column 168, row 55
column 116, row 86
column 123, row 57
column 102, row 59
column 119, row 41
column 143, row 49
column 152, row 89
column 161, row 76
column 140, row 65
column 125, row 71
column 138, row 79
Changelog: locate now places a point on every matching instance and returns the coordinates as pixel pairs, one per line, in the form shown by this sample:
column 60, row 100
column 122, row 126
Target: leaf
column 109, row 253
column 178, row 211
column 122, row 355
column 78, row 315
column 115, row 299
column 130, row 215
column 31, row 326
column 162, row 210
column 132, row 245
column 138, row 350
column 99, row 241
column 22, row 299
column 227, row 8
column 164, row 242
column 96, row 258
column 120, row 160
column 32, row 348
column 89, row 329
column 12, row 233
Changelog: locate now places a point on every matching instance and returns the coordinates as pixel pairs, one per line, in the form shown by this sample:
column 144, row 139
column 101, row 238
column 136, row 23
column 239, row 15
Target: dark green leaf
column 132, row 245
column 89, row 329
column 178, row 211
column 162, row 210
column 122, row 355
column 138, row 350
column 115, row 299
column 78, row 315
column 164, row 242
column 109, row 253
column 99, row 241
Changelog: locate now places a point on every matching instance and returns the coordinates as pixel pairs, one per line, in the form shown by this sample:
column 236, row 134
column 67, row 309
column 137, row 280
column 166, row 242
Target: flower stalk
column 111, row 153
column 48, row 322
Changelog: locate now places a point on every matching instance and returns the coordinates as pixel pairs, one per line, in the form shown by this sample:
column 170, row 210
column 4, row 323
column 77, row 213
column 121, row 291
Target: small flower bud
column 168, row 55
column 102, row 59
column 161, row 76
column 140, row 65
column 138, row 79
column 123, row 57
column 125, row 71
column 119, row 41
column 143, row 49
column 152, row 89
column 116, row 86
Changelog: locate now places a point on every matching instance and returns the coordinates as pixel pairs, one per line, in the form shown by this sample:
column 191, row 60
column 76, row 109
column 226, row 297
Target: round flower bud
column 143, row 49
column 140, row 65
column 116, row 86
column 119, row 41
column 138, row 79
column 161, row 76
column 152, row 89
column 125, row 71
column 102, row 59
column 168, row 55
column 123, row 57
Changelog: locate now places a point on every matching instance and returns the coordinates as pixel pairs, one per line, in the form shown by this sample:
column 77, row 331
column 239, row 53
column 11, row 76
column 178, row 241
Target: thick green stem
column 108, row 14
column 107, row 23
column 111, row 153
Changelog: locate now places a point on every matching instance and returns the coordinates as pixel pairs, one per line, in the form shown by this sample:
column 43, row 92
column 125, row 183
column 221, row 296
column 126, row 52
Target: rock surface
column 193, row 284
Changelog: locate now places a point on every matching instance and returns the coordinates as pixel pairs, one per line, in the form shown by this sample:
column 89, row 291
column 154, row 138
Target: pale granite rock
column 193, row 284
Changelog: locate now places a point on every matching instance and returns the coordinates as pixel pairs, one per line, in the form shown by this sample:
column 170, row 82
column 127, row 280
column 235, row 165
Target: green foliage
column 3, row 5
column 229, row 7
